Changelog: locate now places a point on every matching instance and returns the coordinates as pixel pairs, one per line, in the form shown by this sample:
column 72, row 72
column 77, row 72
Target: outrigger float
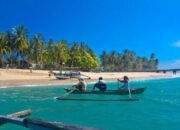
column 108, row 92
column 92, row 99
column 35, row 124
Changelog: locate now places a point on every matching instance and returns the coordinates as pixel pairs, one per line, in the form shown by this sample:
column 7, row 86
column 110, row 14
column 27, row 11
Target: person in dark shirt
column 101, row 85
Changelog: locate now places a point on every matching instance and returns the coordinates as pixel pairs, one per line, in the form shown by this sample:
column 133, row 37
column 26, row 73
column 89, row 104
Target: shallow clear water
column 158, row 108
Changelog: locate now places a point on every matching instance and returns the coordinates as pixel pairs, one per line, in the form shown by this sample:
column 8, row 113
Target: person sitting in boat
column 82, row 85
column 101, row 85
column 125, row 81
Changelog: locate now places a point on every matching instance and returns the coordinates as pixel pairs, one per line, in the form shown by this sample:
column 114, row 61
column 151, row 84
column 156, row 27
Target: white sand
column 17, row 77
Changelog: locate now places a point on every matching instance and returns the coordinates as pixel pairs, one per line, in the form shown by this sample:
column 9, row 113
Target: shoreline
column 23, row 78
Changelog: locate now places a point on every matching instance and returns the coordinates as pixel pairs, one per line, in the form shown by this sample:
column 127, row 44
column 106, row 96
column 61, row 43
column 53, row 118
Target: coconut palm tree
column 74, row 50
column 36, row 47
column 153, row 62
column 61, row 52
column 145, row 63
column 51, row 54
column 139, row 64
column 128, row 60
column 10, row 41
column 104, row 59
column 21, row 41
column 42, row 55
column 3, row 47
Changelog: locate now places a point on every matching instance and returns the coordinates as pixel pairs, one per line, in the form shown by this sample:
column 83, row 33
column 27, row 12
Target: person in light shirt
column 125, row 81
column 81, row 85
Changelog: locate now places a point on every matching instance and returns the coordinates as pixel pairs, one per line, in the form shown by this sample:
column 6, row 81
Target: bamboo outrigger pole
column 20, row 114
column 35, row 124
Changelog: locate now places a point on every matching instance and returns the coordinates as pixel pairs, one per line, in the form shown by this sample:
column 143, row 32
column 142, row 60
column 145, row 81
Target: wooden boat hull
column 109, row 92
column 62, row 77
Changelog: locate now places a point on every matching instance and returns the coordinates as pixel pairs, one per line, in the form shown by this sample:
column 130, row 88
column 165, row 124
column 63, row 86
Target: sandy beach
column 21, row 77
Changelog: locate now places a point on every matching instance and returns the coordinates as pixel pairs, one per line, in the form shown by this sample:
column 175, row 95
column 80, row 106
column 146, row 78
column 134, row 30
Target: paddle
column 129, row 90
column 118, row 84
column 66, row 94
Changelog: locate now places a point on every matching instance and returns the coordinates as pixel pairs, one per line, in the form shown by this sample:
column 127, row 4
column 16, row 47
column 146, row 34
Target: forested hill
column 17, row 50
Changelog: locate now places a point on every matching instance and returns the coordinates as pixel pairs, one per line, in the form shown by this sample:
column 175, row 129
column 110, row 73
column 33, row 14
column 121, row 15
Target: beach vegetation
column 127, row 61
column 21, row 42
column 20, row 51
column 3, row 47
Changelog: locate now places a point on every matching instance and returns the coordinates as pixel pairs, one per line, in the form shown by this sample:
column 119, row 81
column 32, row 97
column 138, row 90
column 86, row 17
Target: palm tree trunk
column 19, row 59
column 1, row 63
column 11, row 58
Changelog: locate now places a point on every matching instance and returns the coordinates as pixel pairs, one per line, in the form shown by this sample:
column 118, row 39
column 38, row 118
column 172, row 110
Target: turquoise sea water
column 158, row 108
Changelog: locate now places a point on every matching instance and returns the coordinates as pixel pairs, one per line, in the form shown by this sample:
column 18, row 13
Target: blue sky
column 144, row 26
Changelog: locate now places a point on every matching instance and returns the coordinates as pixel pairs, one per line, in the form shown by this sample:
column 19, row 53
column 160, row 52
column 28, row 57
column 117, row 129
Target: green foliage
column 20, row 41
column 16, row 47
column 62, row 52
column 83, row 57
column 127, row 61
column 36, row 48
column 3, row 47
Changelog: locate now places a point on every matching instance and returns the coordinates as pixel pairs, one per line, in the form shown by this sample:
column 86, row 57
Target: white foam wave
column 31, row 85
column 42, row 99
column 55, row 98
column 155, row 78
column 3, row 87
column 176, row 76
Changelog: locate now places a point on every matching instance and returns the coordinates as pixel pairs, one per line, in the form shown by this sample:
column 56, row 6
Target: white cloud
column 176, row 44
column 170, row 65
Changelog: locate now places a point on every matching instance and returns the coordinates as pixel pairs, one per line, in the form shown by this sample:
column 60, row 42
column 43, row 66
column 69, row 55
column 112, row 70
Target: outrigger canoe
column 108, row 92
column 36, row 124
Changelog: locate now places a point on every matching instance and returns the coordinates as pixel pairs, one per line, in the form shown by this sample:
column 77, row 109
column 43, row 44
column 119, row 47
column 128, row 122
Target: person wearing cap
column 101, row 85
column 125, row 81
column 82, row 85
